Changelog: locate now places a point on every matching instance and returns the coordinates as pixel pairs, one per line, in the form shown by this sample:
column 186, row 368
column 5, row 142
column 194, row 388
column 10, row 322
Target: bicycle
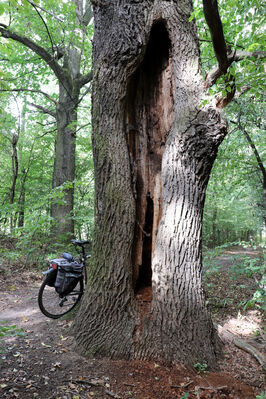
column 63, row 285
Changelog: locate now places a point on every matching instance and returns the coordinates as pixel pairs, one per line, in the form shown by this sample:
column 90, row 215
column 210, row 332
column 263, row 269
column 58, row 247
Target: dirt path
column 42, row 364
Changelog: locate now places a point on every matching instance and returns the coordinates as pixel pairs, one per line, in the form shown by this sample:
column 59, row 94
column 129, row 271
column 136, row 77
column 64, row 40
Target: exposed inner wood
column 149, row 116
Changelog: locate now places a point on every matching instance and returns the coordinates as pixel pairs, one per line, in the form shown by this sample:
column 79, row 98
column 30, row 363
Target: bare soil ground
column 43, row 365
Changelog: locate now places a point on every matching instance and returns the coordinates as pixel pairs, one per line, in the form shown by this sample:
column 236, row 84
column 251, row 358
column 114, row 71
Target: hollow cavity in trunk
column 149, row 116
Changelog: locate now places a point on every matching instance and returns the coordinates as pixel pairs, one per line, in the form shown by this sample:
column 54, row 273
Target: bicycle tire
column 50, row 303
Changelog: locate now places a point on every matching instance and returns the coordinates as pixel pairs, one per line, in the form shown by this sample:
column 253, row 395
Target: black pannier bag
column 68, row 275
column 51, row 277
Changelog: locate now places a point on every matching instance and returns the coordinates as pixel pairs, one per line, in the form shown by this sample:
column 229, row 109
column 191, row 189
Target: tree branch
column 45, row 124
column 258, row 158
column 82, row 127
column 44, row 134
column 236, row 56
column 43, row 9
column 227, row 43
column 31, row 91
column 228, row 336
column 252, row 145
column 44, row 110
column 43, row 21
column 85, row 79
column 241, row 55
column 88, row 90
column 50, row 61
column 87, row 16
column 211, row 13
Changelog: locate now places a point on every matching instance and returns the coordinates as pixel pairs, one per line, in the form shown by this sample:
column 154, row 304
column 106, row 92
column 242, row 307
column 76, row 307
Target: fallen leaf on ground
column 71, row 385
column 63, row 349
column 47, row 346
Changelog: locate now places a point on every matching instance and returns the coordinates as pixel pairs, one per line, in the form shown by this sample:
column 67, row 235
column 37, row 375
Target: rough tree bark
column 154, row 146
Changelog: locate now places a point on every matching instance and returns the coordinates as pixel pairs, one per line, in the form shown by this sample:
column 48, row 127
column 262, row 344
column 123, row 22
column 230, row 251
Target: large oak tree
column 154, row 147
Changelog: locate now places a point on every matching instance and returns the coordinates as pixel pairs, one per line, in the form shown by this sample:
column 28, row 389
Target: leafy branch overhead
column 224, row 54
column 36, row 48
column 235, row 56
column 255, row 151
column 52, row 38
column 50, row 59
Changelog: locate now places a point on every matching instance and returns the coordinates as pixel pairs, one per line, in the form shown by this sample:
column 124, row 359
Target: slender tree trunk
column 24, row 173
column 153, row 152
column 14, row 175
column 21, row 213
column 21, row 200
column 14, row 168
column 65, row 147
column 215, row 240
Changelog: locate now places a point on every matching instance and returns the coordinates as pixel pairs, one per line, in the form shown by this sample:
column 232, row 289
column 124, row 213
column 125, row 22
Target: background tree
column 59, row 47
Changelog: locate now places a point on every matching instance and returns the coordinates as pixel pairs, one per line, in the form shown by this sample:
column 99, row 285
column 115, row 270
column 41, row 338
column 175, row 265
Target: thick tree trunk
column 153, row 153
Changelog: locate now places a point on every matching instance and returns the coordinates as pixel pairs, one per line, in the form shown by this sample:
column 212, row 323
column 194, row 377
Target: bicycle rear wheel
column 50, row 303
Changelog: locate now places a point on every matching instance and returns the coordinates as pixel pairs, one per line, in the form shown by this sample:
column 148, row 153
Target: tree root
column 227, row 336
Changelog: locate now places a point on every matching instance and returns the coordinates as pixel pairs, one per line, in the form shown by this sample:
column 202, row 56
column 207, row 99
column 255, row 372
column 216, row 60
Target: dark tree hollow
column 149, row 114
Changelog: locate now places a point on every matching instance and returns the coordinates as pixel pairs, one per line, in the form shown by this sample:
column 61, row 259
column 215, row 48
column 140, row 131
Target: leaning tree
column 154, row 146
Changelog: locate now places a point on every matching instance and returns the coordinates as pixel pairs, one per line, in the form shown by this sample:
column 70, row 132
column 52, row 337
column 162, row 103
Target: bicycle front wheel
column 50, row 303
